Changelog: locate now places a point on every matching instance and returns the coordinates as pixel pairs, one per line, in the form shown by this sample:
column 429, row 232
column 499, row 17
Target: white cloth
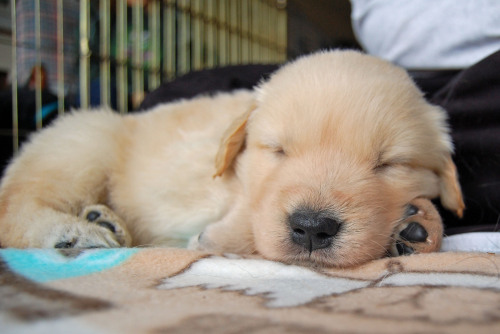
column 428, row 34
column 488, row 242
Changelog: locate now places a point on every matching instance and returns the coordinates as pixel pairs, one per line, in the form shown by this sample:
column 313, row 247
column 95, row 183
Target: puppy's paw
column 82, row 235
column 104, row 217
column 420, row 230
column 96, row 227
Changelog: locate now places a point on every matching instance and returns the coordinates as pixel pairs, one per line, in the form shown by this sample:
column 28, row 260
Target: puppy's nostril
column 299, row 231
column 329, row 228
column 323, row 236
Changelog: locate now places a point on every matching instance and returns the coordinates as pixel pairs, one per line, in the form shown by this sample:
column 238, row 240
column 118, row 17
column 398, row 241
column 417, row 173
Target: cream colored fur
column 335, row 130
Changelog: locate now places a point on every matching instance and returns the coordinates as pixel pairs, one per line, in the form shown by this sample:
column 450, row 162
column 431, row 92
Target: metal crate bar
column 197, row 34
column 184, row 36
column 84, row 53
column 121, row 56
column 60, row 58
column 154, row 19
column 210, row 34
column 169, row 40
column 104, row 52
column 128, row 47
column 137, row 53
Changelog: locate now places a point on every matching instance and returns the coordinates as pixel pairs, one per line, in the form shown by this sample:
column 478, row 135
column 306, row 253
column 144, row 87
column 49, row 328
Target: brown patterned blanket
column 179, row 291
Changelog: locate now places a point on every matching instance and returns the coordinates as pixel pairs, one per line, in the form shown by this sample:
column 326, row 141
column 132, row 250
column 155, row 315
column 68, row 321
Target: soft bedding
column 162, row 290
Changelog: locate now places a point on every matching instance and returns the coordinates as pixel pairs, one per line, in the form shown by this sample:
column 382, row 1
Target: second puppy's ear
column 231, row 144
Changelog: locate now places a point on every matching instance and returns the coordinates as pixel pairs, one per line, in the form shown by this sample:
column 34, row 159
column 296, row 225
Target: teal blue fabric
column 43, row 265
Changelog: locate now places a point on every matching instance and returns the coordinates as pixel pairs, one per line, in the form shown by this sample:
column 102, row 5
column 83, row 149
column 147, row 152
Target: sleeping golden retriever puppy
column 332, row 162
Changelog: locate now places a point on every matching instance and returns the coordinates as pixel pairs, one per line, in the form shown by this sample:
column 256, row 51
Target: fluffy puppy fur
column 338, row 139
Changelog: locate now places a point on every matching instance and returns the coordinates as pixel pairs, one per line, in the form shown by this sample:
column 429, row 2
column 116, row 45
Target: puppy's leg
column 43, row 227
column 62, row 170
column 233, row 234
column 420, row 231
column 217, row 238
column 97, row 227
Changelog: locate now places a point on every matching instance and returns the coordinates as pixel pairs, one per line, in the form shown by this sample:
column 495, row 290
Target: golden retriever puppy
column 331, row 162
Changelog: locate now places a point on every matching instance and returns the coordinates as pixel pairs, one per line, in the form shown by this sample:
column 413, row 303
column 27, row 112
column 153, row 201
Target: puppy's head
column 337, row 146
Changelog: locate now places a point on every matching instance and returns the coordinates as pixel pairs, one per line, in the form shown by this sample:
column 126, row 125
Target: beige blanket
column 180, row 291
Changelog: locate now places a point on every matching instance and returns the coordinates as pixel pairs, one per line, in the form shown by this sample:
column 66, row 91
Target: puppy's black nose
column 312, row 229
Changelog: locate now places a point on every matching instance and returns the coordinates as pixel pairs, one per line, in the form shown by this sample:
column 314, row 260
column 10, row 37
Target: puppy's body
column 166, row 187
column 318, row 165
column 154, row 169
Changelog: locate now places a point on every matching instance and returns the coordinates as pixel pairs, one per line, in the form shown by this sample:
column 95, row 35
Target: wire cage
column 86, row 53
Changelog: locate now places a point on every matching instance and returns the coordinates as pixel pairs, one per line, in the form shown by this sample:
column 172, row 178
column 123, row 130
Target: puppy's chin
column 327, row 259
column 334, row 256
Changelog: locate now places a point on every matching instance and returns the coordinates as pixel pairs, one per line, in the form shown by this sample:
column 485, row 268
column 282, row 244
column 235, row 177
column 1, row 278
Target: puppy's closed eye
column 280, row 151
column 275, row 148
column 380, row 167
column 381, row 164
column 384, row 162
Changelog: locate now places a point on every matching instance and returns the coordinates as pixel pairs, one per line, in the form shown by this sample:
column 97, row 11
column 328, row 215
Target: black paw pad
column 414, row 232
column 404, row 249
column 66, row 244
column 93, row 216
column 107, row 225
column 411, row 210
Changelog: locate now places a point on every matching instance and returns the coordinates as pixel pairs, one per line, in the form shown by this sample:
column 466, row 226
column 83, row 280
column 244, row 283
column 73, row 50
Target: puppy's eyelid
column 384, row 165
column 381, row 166
column 280, row 151
column 275, row 148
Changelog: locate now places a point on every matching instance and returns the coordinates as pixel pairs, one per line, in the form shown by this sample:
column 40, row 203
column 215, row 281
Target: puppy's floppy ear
column 451, row 194
column 231, row 143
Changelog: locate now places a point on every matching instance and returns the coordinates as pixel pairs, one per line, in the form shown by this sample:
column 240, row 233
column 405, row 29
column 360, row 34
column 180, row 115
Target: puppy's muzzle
column 313, row 229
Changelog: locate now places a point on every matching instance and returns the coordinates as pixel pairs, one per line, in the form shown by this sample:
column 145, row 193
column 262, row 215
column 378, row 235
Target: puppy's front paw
column 96, row 227
column 420, row 231
column 104, row 217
